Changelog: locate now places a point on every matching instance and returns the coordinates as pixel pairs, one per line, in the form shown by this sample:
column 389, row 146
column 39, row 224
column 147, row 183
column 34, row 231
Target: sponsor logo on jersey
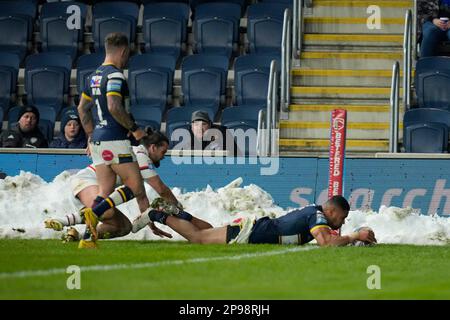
column 321, row 219
column 114, row 85
column 96, row 81
column 107, row 155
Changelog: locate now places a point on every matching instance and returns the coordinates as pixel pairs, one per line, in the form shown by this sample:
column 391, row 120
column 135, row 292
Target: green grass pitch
column 407, row 272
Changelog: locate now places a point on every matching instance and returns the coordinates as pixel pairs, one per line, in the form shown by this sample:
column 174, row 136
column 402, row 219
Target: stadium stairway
column 344, row 64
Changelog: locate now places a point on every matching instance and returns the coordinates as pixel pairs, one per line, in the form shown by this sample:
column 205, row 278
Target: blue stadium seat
column 425, row 130
column 9, row 69
column 196, row 3
column 16, row 24
column 251, row 79
column 55, row 34
column 204, row 80
column 432, row 80
column 47, row 77
column 113, row 16
column 265, row 27
column 216, row 27
column 87, row 64
column 165, row 27
column 180, row 118
column 243, row 117
column 148, row 116
column 150, row 78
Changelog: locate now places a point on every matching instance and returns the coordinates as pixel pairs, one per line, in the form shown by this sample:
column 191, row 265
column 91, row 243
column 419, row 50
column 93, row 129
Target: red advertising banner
column 337, row 152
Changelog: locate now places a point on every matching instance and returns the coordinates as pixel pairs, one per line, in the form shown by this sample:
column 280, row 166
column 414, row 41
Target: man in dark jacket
column 433, row 23
column 204, row 135
column 26, row 133
column 72, row 135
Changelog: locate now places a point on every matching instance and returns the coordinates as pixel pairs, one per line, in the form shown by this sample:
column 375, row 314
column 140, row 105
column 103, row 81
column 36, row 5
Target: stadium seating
column 195, row 3
column 241, row 117
column 16, row 25
column 180, row 118
column 251, row 78
column 165, row 27
column 432, row 80
column 204, row 80
column 47, row 77
column 150, row 78
column 9, row 68
column 55, row 35
column 426, row 130
column 149, row 116
column 87, row 64
column 113, row 16
column 216, row 27
column 265, row 27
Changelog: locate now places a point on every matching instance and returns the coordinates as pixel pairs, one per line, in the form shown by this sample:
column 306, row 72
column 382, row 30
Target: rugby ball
column 359, row 243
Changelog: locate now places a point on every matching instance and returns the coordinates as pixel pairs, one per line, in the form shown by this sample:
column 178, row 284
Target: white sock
column 71, row 219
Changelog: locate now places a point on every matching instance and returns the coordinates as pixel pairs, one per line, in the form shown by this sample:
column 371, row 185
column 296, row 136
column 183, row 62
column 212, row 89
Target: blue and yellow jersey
column 294, row 227
column 107, row 80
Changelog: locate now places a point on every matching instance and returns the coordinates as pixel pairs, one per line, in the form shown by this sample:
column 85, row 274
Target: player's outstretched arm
column 164, row 191
column 325, row 238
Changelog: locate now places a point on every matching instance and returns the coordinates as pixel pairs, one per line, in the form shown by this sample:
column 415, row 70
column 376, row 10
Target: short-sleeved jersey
column 145, row 163
column 106, row 80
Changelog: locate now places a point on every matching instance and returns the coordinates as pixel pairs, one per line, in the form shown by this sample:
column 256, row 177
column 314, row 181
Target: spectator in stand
column 204, row 135
column 433, row 17
column 26, row 133
column 72, row 135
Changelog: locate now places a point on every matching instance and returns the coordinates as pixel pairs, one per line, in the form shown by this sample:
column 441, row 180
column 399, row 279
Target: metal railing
column 267, row 137
column 261, row 143
column 407, row 59
column 297, row 28
column 395, row 93
column 414, row 30
column 286, row 62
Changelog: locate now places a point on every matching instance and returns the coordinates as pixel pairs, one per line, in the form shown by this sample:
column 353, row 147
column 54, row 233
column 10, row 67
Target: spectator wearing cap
column 72, row 135
column 434, row 26
column 26, row 133
column 207, row 136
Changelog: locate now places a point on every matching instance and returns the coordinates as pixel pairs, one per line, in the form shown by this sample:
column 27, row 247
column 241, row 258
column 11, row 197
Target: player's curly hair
column 154, row 137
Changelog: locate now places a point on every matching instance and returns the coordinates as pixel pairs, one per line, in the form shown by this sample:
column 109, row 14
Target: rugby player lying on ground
column 114, row 224
column 299, row 226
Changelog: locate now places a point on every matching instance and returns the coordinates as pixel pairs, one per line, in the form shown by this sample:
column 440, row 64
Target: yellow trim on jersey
column 84, row 95
column 112, row 93
column 318, row 227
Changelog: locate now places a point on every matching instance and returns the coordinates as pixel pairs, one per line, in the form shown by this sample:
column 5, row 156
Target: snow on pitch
column 26, row 201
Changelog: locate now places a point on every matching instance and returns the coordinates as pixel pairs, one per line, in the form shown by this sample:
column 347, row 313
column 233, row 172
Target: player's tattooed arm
column 118, row 111
column 84, row 110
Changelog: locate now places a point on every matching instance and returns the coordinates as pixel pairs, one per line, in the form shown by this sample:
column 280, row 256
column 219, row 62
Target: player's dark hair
column 115, row 40
column 154, row 137
column 340, row 202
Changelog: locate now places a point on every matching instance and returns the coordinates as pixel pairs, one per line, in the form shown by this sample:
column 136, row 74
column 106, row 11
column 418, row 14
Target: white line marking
column 145, row 265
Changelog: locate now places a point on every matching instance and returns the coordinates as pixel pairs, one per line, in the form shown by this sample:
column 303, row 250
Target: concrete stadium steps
column 352, row 25
column 358, row 8
column 373, row 93
column 346, row 60
column 354, row 40
column 335, row 77
column 321, row 130
column 323, row 145
column 355, row 113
